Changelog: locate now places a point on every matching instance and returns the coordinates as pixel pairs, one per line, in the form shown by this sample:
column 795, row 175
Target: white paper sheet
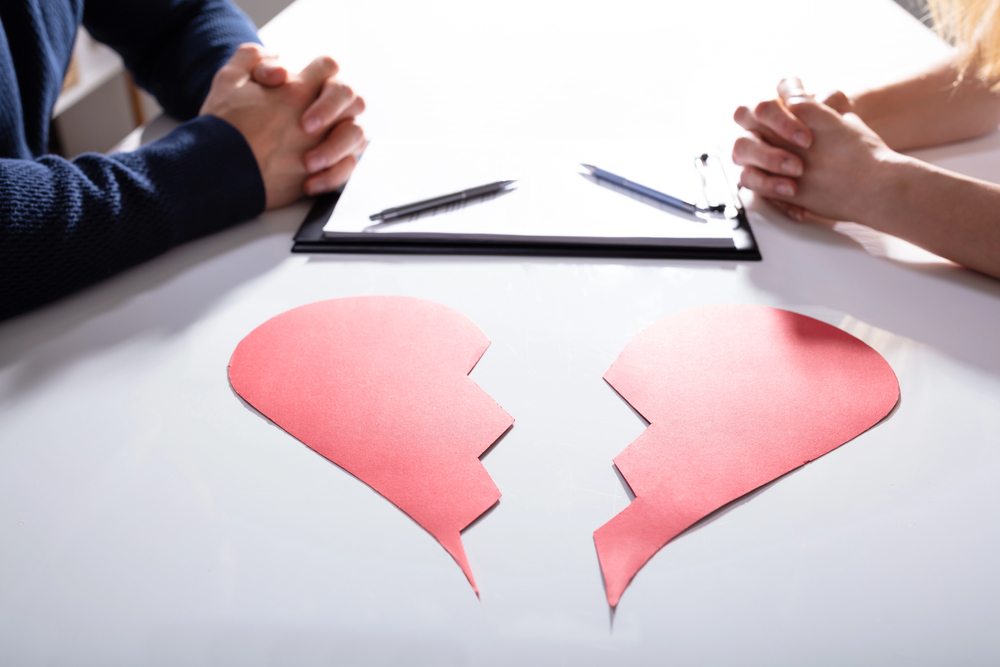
column 553, row 198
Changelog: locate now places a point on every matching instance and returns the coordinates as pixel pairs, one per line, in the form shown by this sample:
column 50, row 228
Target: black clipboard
column 311, row 239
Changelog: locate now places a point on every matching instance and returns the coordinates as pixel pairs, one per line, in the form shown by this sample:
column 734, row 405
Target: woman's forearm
column 930, row 109
column 949, row 214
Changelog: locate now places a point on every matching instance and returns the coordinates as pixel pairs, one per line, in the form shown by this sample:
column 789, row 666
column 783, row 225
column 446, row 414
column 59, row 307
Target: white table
column 148, row 517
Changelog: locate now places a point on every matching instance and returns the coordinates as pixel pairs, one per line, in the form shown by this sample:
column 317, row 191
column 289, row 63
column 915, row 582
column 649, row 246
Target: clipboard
column 715, row 187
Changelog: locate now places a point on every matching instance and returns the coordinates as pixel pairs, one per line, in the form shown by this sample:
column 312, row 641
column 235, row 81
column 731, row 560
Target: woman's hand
column 775, row 150
column 848, row 172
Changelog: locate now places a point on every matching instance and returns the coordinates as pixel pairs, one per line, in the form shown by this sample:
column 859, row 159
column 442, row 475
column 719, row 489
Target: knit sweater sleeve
column 67, row 224
column 172, row 47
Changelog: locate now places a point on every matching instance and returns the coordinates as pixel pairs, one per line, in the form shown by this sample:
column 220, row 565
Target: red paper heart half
column 736, row 396
column 380, row 386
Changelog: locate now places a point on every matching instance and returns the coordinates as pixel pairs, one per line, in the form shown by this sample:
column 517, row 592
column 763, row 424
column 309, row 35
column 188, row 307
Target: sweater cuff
column 208, row 173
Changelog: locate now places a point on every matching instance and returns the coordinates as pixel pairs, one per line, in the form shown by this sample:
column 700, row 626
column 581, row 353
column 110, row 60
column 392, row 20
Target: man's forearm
column 172, row 47
column 65, row 225
column 949, row 214
column 930, row 109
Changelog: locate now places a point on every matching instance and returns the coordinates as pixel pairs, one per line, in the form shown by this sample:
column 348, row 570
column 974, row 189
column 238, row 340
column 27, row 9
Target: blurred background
column 99, row 104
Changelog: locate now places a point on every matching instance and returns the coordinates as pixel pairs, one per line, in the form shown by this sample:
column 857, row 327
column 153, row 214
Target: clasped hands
column 813, row 160
column 300, row 127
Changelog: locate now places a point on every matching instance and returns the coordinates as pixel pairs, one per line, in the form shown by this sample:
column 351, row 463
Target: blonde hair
column 973, row 26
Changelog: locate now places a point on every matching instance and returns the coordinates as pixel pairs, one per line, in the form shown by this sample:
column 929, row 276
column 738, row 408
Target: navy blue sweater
column 67, row 224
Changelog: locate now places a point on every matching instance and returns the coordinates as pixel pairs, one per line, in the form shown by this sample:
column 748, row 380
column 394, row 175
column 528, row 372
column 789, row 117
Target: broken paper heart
column 736, row 396
column 380, row 386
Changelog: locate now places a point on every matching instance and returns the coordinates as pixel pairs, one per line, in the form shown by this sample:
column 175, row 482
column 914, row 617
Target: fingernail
column 313, row 188
column 801, row 139
column 791, row 167
column 315, row 163
column 312, row 124
column 785, row 190
column 796, row 214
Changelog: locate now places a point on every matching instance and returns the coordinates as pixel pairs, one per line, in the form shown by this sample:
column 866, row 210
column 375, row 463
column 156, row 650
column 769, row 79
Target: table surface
column 147, row 516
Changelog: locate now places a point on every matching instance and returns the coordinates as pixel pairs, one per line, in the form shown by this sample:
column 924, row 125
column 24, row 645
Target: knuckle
column 839, row 101
column 325, row 108
column 354, row 136
column 741, row 115
column 780, row 187
column 800, row 105
column 296, row 96
column 740, row 147
column 788, row 125
column 765, row 109
column 750, row 178
column 249, row 49
column 327, row 63
column 226, row 77
column 775, row 160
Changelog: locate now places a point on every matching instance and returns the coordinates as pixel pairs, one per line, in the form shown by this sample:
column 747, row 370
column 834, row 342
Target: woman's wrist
column 866, row 105
column 949, row 214
column 891, row 180
column 876, row 107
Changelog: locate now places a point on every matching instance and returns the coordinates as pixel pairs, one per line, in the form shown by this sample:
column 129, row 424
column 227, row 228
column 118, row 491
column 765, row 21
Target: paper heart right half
column 736, row 396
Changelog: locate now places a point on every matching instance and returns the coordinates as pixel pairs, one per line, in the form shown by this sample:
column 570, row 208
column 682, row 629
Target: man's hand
column 330, row 119
column 271, row 119
column 335, row 104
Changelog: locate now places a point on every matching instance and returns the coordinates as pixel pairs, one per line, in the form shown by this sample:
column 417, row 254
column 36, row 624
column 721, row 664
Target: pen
column 417, row 207
column 661, row 197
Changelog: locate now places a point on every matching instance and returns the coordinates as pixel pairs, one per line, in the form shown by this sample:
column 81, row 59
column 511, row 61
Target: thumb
column 839, row 102
column 791, row 88
column 247, row 57
column 269, row 73
column 814, row 114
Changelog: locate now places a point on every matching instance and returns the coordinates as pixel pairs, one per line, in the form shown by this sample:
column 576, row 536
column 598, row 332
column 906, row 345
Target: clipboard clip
column 720, row 196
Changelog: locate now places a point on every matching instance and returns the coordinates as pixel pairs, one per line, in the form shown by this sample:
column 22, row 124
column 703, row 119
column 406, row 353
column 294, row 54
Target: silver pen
column 417, row 207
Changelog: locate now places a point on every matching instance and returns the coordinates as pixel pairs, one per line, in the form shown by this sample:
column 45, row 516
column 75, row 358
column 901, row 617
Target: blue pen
column 656, row 195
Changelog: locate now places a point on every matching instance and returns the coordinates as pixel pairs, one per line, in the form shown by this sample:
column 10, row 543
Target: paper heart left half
column 380, row 386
